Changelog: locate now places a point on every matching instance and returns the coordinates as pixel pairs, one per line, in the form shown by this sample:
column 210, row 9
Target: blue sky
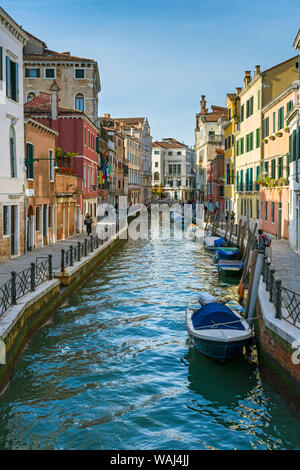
column 157, row 58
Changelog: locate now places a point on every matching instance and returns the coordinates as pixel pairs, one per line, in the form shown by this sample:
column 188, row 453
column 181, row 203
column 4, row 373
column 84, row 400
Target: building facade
column 274, row 182
column 173, row 169
column 292, row 120
column 12, row 173
column 77, row 77
column 209, row 135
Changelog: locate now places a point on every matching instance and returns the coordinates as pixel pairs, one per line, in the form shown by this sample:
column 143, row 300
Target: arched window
column 30, row 96
column 79, row 102
column 12, row 150
column 156, row 176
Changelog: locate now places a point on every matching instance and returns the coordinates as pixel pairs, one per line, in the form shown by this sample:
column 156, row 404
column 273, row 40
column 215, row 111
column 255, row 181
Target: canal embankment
column 30, row 296
column 277, row 323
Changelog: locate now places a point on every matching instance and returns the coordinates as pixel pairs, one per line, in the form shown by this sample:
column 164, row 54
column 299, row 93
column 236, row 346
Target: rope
column 227, row 323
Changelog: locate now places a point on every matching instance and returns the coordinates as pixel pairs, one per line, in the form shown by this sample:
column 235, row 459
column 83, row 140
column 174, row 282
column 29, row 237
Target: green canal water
column 114, row 368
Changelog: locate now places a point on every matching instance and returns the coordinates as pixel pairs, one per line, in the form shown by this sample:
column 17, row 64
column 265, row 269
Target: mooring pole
column 255, row 285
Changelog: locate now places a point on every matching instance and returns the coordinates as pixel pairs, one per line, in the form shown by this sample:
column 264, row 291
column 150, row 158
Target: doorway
column 279, row 233
column 30, row 229
column 13, row 230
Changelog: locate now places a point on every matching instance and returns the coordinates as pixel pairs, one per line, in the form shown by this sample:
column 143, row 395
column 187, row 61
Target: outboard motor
column 206, row 298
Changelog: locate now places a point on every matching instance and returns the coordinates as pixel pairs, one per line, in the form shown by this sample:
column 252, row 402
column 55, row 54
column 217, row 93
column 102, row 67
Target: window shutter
column 17, row 81
column 1, row 64
column 8, row 81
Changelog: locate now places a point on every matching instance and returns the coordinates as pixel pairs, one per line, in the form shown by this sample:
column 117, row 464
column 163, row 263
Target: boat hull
column 219, row 352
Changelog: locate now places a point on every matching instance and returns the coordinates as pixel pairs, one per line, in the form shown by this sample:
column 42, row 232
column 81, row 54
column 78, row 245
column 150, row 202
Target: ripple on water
column 115, row 369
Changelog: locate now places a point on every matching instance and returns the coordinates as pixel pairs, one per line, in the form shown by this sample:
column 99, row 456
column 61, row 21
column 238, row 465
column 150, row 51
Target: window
column 257, row 208
column 280, row 167
column 37, row 219
column 156, row 176
column 229, row 114
column 258, row 137
column 170, row 153
column 289, row 106
column 274, row 122
column 266, row 211
column 29, row 158
column 85, row 136
column 242, row 113
column 258, row 101
column 49, row 73
column 30, row 96
column 79, row 73
column 280, row 118
column 5, row 220
column 266, row 127
column 261, row 209
column 51, row 166
column 32, row 73
column 273, row 162
column 272, row 212
column 156, row 164
column 156, row 152
column 12, row 79
column 266, row 168
column 229, row 141
column 249, row 107
column 178, row 153
column 12, row 149
column 79, row 102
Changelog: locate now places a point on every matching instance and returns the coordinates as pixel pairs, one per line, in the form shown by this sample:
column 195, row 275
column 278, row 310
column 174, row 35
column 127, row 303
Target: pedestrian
column 88, row 223
column 232, row 214
column 264, row 243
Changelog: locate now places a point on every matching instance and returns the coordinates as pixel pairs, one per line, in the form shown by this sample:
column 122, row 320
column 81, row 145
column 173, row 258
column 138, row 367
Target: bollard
column 85, row 247
column 71, row 255
column 97, row 241
column 278, row 299
column 50, row 268
column 264, row 268
column 272, row 279
column 268, row 275
column 13, row 288
column 92, row 240
column 62, row 261
column 78, row 251
column 32, row 277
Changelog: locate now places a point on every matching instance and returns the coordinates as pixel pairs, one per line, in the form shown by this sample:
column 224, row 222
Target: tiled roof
column 168, row 144
column 131, row 120
column 54, row 56
column 231, row 96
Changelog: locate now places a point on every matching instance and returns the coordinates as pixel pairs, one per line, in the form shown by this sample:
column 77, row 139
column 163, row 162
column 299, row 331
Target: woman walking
column 88, row 223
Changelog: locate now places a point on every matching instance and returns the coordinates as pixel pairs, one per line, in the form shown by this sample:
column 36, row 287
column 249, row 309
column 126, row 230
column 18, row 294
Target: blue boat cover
column 232, row 251
column 214, row 314
column 220, row 242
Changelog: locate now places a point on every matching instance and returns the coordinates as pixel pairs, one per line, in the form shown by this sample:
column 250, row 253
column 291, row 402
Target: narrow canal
column 114, row 369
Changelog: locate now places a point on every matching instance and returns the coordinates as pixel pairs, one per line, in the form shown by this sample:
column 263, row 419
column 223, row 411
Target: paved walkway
column 287, row 264
column 23, row 261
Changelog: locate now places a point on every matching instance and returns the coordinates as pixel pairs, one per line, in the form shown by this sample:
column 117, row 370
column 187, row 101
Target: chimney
column 203, row 104
column 247, row 78
column 54, row 100
column 238, row 90
column 256, row 70
column 107, row 116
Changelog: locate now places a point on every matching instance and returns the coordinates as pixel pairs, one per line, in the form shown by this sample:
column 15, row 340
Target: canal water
column 114, row 368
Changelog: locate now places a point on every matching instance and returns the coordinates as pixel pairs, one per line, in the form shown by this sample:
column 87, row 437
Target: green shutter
column 8, row 80
column 251, row 141
column 17, row 81
column 273, row 168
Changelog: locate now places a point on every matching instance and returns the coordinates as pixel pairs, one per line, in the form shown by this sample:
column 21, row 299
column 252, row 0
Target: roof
column 232, row 96
column 17, row 29
column 34, row 37
column 30, row 120
column 168, row 144
column 55, row 56
column 132, row 121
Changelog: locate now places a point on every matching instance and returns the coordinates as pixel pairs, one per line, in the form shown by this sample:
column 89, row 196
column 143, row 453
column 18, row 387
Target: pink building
column 274, row 183
column 76, row 135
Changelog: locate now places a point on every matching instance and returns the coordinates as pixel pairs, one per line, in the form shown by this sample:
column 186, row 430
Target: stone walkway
column 22, row 262
column 287, row 264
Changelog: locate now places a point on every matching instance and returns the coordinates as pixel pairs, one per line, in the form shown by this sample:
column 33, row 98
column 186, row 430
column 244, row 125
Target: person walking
column 264, row 243
column 88, row 223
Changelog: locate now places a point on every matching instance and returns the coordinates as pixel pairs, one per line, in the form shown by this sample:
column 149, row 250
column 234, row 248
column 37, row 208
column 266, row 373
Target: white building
column 173, row 169
column 209, row 135
column 293, row 122
column 12, row 171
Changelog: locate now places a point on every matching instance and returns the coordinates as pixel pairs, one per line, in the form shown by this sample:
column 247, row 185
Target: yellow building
column 257, row 93
column 230, row 129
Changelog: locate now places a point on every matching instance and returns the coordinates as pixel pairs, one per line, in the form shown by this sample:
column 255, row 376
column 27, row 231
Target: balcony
column 214, row 139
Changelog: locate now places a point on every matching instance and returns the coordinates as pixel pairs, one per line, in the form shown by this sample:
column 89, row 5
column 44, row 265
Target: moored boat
column 227, row 253
column 217, row 332
column 212, row 243
column 230, row 266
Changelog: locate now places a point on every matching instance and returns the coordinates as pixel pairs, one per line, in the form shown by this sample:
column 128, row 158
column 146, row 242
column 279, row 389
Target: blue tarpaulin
column 216, row 313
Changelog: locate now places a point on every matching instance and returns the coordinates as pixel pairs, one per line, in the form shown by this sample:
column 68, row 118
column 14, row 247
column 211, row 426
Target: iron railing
column 286, row 301
column 25, row 281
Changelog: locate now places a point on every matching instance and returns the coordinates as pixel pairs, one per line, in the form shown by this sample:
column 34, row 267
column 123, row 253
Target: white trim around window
column 84, row 73
column 49, row 68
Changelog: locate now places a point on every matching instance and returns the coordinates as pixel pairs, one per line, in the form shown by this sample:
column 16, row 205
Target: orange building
column 274, row 183
column 40, row 184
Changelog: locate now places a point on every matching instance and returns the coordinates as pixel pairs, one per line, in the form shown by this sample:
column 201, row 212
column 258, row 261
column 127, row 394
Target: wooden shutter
column 8, row 78
column 17, row 81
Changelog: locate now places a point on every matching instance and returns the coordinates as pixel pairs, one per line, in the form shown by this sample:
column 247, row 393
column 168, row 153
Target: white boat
column 209, row 243
column 217, row 331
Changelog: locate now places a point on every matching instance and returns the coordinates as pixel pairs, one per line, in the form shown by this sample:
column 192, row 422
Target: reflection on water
column 114, row 369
